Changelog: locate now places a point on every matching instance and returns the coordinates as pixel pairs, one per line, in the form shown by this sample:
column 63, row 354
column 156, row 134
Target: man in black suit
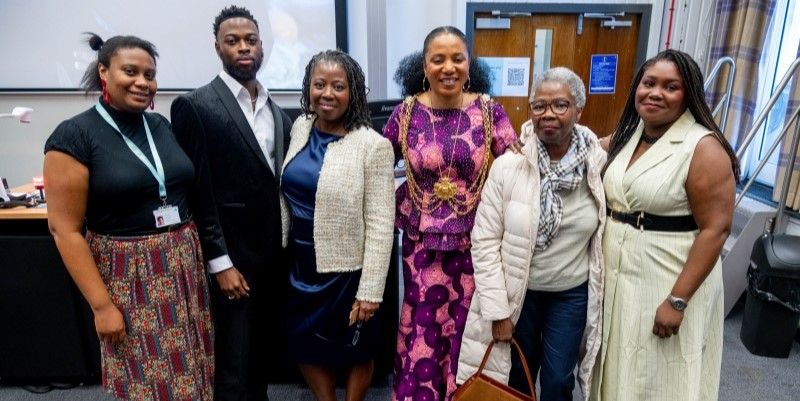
column 237, row 137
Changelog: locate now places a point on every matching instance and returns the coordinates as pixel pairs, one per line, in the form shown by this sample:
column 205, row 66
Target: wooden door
column 514, row 42
column 569, row 49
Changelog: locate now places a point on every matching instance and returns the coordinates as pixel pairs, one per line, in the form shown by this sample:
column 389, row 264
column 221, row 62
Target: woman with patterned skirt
column 447, row 132
column 120, row 173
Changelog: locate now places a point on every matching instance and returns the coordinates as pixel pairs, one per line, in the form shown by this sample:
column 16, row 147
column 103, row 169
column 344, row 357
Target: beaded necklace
column 649, row 139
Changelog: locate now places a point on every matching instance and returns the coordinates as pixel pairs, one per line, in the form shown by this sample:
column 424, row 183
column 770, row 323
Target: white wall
column 691, row 27
column 407, row 23
column 21, row 145
column 357, row 27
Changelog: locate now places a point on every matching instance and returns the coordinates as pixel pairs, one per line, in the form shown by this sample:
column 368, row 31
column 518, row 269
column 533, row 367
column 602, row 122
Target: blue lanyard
column 158, row 170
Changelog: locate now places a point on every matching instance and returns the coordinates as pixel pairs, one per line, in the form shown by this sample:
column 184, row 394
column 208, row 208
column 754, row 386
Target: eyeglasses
column 559, row 106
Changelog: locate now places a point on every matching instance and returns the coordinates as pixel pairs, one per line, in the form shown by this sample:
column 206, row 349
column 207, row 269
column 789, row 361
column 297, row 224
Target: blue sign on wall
column 603, row 74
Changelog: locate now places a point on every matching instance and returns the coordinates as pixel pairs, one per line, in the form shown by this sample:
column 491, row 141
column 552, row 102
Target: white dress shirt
column 262, row 122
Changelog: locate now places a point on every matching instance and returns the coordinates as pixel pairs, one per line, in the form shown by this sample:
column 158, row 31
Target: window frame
column 782, row 41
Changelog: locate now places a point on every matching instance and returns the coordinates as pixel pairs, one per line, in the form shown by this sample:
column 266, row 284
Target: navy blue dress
column 319, row 304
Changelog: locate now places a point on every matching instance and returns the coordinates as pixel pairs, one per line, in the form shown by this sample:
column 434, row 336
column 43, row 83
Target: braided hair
column 357, row 114
column 105, row 51
column 409, row 73
column 695, row 102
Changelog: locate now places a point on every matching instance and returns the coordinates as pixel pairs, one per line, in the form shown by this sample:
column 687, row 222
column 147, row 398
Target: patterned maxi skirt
column 438, row 290
column 159, row 284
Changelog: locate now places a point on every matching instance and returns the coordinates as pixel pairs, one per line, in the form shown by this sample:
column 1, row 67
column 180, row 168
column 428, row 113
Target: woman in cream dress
column 669, row 185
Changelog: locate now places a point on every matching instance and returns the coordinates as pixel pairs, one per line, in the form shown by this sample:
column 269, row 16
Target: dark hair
column 105, row 51
column 409, row 75
column 357, row 114
column 442, row 30
column 232, row 12
column 694, row 98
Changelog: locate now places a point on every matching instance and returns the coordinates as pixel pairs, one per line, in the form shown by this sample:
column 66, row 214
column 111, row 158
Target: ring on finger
column 231, row 297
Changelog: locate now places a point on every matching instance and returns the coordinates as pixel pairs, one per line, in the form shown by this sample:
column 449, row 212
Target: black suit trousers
column 249, row 342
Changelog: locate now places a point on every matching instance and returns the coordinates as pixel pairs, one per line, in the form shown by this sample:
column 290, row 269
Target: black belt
column 654, row 222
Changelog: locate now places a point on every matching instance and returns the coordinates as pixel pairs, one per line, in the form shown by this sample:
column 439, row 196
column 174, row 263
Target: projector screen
column 44, row 48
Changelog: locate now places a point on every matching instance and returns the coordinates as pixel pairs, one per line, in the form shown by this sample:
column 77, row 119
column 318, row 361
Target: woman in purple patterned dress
column 448, row 132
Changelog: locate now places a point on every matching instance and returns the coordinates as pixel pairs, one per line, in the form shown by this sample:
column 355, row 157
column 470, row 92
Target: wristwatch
column 679, row 304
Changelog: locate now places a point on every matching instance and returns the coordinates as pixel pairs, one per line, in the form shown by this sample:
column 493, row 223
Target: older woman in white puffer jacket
column 536, row 249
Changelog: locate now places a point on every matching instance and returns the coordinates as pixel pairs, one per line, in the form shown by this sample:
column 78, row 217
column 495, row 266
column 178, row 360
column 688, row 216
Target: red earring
column 153, row 104
column 106, row 98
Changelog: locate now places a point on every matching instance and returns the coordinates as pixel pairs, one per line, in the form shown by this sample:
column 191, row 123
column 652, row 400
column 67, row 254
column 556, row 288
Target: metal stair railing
column 771, row 149
column 726, row 98
column 787, row 178
column 763, row 117
column 735, row 262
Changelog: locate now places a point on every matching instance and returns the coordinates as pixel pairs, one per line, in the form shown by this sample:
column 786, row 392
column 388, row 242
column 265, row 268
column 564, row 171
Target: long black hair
column 357, row 114
column 409, row 73
column 105, row 51
column 694, row 98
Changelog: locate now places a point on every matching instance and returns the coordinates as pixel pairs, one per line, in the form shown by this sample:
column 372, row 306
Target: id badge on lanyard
column 165, row 215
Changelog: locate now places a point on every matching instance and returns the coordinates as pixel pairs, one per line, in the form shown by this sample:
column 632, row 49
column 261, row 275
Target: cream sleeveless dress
column 640, row 269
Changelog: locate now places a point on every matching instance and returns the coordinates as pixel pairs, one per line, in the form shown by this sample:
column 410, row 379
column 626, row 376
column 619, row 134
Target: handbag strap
column 521, row 357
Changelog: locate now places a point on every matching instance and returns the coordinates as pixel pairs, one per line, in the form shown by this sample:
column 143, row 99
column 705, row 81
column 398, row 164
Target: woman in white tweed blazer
column 338, row 219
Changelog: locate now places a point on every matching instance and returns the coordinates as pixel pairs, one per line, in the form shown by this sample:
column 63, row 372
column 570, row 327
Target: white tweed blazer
column 354, row 206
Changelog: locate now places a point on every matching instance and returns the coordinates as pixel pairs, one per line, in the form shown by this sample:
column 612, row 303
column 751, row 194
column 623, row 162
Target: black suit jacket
column 237, row 208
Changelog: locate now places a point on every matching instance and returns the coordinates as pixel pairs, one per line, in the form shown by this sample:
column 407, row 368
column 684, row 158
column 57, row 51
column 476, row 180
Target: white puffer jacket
column 505, row 230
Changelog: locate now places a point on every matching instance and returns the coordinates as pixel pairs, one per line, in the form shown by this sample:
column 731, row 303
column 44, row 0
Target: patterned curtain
column 739, row 31
column 793, row 197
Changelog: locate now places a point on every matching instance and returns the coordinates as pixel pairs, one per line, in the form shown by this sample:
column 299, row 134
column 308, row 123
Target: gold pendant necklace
column 444, row 188
column 429, row 204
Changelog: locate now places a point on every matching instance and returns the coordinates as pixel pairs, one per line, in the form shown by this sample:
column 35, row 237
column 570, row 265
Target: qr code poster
column 509, row 75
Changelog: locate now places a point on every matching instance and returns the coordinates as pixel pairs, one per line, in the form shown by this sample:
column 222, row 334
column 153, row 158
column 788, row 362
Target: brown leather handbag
column 480, row 387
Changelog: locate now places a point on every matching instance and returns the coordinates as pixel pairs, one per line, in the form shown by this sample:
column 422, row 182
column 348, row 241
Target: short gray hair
column 568, row 78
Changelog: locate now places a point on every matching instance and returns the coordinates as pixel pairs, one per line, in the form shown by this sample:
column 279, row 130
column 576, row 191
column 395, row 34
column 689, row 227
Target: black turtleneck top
column 122, row 191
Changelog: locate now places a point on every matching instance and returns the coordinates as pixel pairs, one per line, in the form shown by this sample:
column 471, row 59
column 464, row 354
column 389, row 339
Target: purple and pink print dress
column 437, row 264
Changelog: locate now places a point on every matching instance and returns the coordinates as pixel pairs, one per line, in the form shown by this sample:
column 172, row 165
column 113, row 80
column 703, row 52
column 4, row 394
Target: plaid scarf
column 564, row 176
